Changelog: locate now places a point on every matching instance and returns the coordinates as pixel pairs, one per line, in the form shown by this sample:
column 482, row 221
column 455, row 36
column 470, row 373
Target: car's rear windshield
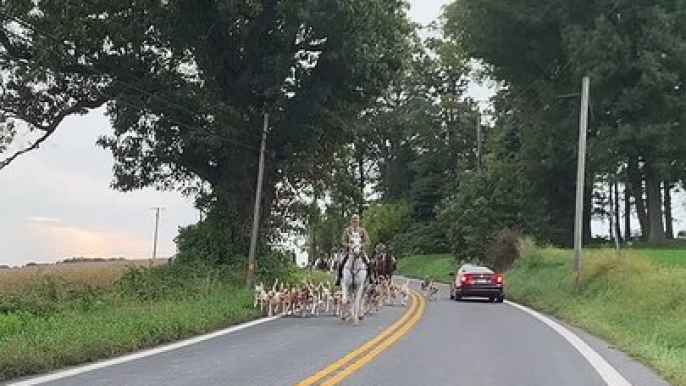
column 475, row 269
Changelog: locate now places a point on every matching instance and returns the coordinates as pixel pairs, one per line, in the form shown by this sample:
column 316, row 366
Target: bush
column 384, row 221
column 422, row 238
column 503, row 251
column 498, row 197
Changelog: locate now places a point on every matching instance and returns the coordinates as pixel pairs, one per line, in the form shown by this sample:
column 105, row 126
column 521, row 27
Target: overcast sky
column 56, row 202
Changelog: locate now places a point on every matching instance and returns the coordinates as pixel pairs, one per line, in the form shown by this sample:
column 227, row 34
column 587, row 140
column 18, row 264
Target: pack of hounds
column 309, row 299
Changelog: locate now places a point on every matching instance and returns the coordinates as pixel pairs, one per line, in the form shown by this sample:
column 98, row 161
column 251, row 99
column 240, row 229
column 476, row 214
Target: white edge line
column 141, row 354
column 609, row 374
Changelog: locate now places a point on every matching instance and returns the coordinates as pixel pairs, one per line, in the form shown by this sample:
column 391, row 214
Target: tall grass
column 55, row 322
column 632, row 302
column 94, row 274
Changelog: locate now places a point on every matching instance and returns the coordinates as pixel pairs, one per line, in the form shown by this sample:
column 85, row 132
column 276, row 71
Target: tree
column 186, row 83
column 540, row 53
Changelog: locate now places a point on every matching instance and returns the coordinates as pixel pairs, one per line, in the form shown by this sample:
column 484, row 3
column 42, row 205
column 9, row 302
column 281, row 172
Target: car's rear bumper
column 485, row 291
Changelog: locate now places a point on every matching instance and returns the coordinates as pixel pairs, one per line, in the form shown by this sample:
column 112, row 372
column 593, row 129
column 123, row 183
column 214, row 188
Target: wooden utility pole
column 250, row 278
column 478, row 141
column 157, row 210
column 580, row 179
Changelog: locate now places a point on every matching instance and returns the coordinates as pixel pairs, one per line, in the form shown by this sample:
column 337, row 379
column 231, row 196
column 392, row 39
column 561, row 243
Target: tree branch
column 12, row 50
column 52, row 127
column 311, row 47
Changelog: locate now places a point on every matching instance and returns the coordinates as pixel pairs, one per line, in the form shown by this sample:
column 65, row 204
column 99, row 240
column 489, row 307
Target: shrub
column 503, row 251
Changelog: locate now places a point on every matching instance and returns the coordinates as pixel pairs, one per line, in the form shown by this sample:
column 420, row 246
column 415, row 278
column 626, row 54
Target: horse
column 384, row 264
column 354, row 282
column 334, row 263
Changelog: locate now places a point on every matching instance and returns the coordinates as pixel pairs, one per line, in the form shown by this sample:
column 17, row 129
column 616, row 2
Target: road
column 439, row 342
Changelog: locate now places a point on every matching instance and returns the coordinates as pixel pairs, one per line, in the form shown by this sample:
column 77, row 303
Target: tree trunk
column 656, row 234
column 587, row 235
column 362, row 180
column 610, row 210
column 669, row 219
column 618, row 228
column 627, row 213
column 636, row 182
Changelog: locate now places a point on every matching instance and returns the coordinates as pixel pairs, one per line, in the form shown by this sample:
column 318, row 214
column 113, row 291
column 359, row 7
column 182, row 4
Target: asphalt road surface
column 440, row 342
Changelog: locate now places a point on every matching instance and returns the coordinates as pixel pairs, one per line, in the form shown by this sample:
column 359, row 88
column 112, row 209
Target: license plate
column 481, row 281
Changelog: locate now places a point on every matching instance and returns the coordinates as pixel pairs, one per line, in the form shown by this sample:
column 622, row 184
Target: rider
column 383, row 248
column 354, row 230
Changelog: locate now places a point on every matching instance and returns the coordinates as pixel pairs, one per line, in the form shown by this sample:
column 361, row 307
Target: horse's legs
column 357, row 305
column 344, row 300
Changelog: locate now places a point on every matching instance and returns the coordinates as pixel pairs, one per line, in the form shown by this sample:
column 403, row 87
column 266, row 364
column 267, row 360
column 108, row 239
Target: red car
column 477, row 281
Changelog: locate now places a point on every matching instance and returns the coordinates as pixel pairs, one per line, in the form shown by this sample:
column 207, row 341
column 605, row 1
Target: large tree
column 633, row 53
column 186, row 83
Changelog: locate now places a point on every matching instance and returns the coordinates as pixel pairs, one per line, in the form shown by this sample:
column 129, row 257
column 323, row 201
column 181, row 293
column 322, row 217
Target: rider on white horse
column 351, row 233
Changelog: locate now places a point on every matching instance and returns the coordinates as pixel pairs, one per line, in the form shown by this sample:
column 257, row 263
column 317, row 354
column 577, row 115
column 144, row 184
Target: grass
column 94, row 274
column 51, row 319
column 436, row 266
column 636, row 301
column 665, row 257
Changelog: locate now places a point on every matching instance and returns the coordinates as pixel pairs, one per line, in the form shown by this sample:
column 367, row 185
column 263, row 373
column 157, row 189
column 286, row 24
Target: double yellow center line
column 342, row 368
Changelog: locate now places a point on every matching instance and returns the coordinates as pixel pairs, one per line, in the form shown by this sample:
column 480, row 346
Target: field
column 95, row 274
column 436, row 266
column 665, row 257
column 66, row 314
column 623, row 299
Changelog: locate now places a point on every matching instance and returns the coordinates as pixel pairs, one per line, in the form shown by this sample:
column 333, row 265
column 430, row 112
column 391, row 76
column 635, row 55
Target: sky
column 56, row 203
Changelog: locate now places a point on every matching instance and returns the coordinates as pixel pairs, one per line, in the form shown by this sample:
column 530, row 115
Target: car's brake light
column 498, row 279
column 466, row 278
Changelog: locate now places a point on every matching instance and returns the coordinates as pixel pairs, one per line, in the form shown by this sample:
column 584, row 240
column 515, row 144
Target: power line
column 529, row 105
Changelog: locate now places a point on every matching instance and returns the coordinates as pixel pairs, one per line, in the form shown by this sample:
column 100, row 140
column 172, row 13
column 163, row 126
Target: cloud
column 66, row 240
column 41, row 219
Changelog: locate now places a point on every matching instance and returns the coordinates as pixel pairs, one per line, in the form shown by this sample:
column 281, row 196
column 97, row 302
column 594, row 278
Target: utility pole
column 256, row 212
column 157, row 210
column 580, row 177
column 478, row 140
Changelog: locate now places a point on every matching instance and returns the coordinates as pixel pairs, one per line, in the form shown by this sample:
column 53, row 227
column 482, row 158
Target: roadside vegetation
column 632, row 300
column 58, row 317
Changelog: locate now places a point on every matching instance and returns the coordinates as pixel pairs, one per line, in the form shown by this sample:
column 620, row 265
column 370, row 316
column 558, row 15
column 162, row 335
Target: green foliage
column 206, row 241
column 385, row 222
column 498, row 197
column 439, row 267
column 503, row 251
column 427, row 237
column 186, row 84
column 540, row 53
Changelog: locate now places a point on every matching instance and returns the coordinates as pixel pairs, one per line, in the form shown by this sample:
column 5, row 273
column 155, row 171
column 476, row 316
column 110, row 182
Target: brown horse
column 383, row 265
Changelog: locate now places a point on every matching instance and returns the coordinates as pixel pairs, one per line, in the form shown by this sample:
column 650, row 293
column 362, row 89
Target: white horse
column 354, row 281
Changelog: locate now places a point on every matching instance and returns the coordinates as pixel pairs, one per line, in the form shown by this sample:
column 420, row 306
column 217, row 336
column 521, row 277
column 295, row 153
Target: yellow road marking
column 350, row 356
column 380, row 348
column 410, row 314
